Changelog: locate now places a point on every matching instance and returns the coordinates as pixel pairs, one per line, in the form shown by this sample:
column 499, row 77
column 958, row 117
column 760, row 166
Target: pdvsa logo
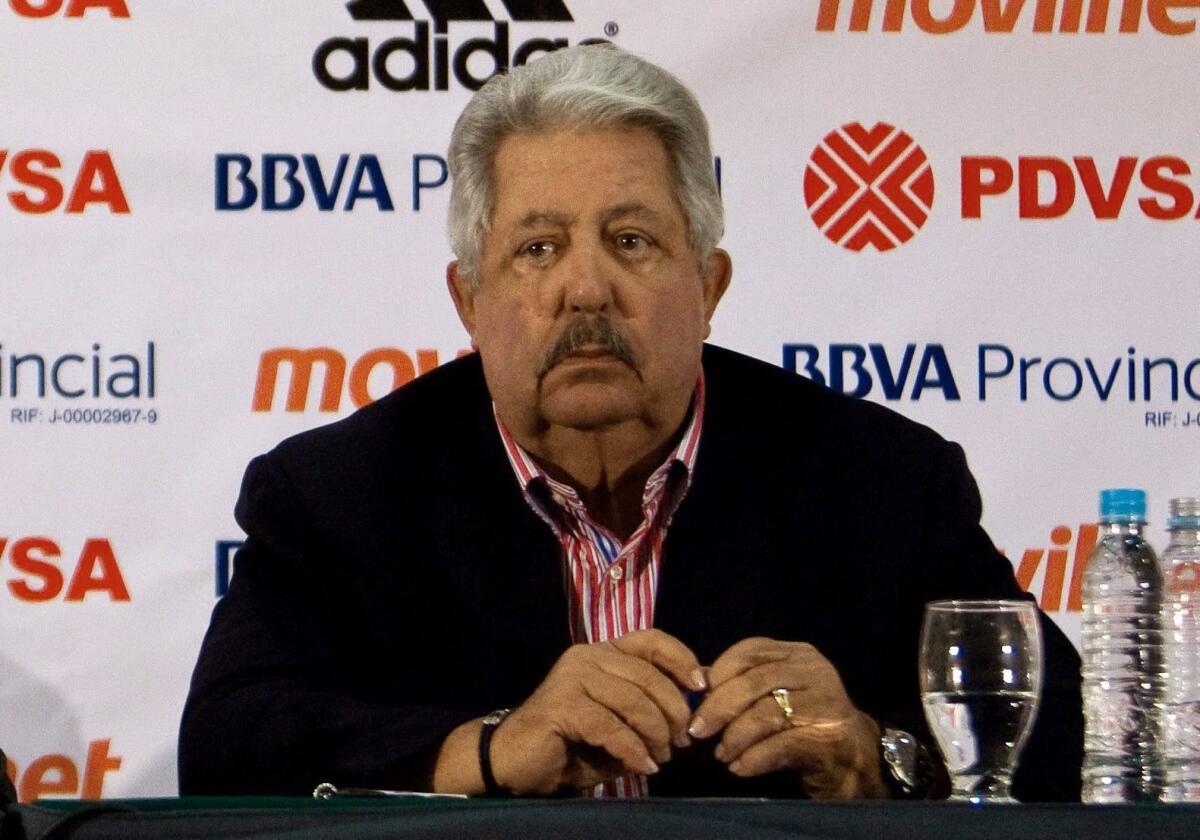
column 945, row 17
column 39, row 570
column 374, row 374
column 868, row 186
column 40, row 176
column 68, row 8
column 1051, row 187
column 874, row 187
column 416, row 61
column 56, row 774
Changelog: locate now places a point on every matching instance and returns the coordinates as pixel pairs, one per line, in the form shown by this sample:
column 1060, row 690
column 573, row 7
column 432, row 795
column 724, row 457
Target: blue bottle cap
column 1183, row 523
column 1122, row 504
column 1185, row 514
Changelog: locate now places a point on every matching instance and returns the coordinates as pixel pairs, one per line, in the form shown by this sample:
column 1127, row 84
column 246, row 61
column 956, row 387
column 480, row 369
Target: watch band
column 490, row 723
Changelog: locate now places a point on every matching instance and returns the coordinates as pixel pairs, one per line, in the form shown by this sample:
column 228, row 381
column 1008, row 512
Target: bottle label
column 1185, row 577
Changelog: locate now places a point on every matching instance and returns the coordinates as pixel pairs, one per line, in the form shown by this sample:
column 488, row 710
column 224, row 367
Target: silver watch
column 907, row 767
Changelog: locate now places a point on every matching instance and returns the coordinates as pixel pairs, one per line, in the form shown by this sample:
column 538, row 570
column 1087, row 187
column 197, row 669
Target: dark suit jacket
column 395, row 583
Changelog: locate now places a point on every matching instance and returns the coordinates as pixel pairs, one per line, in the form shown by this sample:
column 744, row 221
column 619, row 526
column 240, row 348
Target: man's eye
column 538, row 250
column 631, row 242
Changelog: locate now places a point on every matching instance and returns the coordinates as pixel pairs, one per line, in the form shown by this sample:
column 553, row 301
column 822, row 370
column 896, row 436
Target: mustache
column 588, row 332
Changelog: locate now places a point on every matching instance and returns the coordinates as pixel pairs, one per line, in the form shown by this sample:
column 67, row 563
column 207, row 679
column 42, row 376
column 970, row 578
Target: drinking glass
column 981, row 674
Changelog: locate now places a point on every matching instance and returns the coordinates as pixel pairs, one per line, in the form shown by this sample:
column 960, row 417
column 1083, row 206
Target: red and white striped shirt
column 611, row 585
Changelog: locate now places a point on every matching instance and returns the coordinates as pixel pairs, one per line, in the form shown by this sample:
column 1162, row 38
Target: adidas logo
column 443, row 11
column 419, row 60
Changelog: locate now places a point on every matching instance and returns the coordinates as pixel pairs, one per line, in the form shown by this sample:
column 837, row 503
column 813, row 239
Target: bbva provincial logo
column 869, row 186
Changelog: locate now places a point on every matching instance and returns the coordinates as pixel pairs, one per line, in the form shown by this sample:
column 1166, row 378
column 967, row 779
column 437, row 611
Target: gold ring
column 784, row 700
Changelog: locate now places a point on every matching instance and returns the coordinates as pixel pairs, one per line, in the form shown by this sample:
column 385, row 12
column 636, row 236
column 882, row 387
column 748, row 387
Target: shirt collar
column 529, row 475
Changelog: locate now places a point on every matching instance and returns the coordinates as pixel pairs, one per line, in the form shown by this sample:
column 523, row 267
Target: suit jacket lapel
column 704, row 598
column 504, row 556
column 738, row 526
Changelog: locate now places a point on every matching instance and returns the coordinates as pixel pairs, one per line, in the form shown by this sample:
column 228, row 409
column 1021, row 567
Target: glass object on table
column 1181, row 631
column 980, row 676
column 1121, row 653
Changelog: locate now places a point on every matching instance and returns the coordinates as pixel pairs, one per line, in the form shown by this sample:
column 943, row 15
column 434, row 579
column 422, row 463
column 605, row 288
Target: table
column 652, row 819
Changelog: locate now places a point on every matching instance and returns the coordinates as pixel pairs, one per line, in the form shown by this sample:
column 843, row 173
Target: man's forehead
column 627, row 153
column 623, row 210
column 564, row 135
column 557, row 177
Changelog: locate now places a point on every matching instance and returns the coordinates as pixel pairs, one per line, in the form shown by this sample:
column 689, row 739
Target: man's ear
column 462, row 292
column 715, row 280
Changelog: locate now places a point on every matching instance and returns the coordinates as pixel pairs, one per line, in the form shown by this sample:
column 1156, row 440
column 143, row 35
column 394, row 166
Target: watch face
column 495, row 717
column 902, row 760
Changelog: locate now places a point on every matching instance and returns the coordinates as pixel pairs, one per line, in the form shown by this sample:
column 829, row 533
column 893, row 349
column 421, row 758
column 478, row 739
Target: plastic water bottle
column 1122, row 657
column 1181, row 624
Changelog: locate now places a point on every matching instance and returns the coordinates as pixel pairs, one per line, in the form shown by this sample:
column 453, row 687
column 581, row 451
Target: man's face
column 591, row 308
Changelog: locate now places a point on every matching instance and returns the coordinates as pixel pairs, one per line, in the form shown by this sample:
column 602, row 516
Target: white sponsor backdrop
column 166, row 90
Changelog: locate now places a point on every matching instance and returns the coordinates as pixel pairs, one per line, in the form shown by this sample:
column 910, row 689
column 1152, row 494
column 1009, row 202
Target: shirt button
column 616, row 573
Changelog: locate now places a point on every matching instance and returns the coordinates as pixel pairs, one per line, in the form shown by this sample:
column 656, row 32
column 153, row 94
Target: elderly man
column 598, row 555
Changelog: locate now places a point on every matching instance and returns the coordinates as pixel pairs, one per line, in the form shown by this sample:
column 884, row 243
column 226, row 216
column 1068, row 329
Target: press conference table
column 654, row 819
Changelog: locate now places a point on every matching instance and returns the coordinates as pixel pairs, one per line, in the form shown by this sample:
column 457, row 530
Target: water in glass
column 980, row 677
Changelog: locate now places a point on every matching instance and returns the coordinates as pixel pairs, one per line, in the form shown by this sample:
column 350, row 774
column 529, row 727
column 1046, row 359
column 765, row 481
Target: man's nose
column 588, row 279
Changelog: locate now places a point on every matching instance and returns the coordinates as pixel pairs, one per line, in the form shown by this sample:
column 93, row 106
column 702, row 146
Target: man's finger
column 654, row 684
column 830, row 768
column 596, row 725
column 666, row 653
column 761, row 720
column 747, row 654
column 633, row 706
column 777, row 752
column 732, row 698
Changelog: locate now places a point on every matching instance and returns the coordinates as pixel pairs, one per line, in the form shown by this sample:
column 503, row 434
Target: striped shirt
column 611, row 585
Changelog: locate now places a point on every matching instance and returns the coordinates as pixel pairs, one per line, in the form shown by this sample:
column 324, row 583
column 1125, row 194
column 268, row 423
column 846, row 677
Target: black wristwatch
column 490, row 788
column 906, row 764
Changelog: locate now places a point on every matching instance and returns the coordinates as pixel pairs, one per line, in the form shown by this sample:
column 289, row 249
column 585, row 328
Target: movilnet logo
column 68, row 8
column 1004, row 17
column 390, row 367
column 868, row 186
column 421, row 61
column 58, row 775
column 1068, row 549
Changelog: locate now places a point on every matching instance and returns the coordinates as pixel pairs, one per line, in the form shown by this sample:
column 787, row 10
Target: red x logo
column 868, row 186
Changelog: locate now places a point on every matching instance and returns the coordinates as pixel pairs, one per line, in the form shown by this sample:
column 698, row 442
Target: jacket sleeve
column 967, row 565
column 278, row 702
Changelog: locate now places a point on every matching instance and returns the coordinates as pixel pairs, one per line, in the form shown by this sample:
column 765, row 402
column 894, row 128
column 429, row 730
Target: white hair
column 588, row 86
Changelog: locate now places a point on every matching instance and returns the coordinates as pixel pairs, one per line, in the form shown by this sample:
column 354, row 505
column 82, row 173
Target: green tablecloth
column 653, row 819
